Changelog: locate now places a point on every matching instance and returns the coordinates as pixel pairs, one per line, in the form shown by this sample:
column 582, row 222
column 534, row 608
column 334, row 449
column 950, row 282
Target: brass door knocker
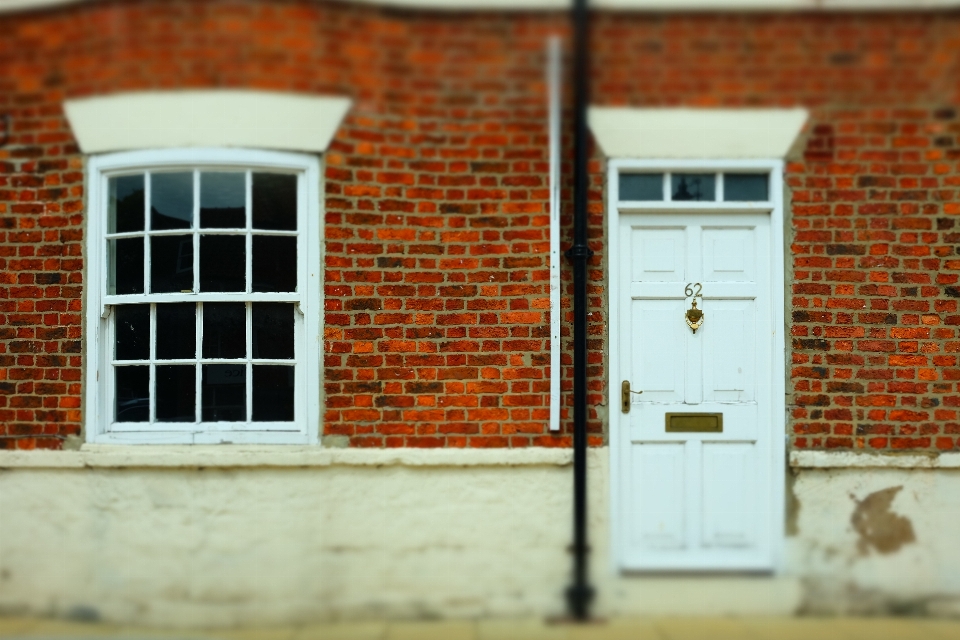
column 694, row 316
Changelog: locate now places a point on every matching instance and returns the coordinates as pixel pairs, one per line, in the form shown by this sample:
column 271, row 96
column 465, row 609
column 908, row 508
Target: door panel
column 696, row 500
column 659, row 372
column 730, row 357
column 659, row 506
column 730, row 515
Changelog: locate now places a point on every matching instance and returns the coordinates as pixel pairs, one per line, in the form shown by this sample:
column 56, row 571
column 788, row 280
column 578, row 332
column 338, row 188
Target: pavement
column 802, row 628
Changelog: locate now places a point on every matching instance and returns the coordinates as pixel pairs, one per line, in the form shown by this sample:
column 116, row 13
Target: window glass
column 697, row 187
column 132, row 394
column 272, row 393
column 126, row 208
column 641, row 186
column 224, row 333
column 171, row 264
column 273, row 330
column 171, row 200
column 274, row 263
column 132, row 332
column 274, row 201
column 125, row 259
column 176, row 331
column 223, row 198
column 223, row 263
column 224, row 392
column 746, row 187
column 176, row 389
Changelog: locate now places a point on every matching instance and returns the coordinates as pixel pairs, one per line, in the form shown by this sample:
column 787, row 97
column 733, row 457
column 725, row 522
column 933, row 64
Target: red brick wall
column 436, row 203
column 875, row 278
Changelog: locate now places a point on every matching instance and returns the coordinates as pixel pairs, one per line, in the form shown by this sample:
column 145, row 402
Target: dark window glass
column 275, row 201
column 171, row 200
column 176, row 393
column 272, row 330
column 746, row 187
column 224, row 392
column 171, row 264
column 274, row 263
column 272, row 393
column 223, row 198
column 697, row 187
column 126, row 266
column 641, row 186
column 132, row 394
column 224, row 334
column 132, row 332
column 223, row 263
column 126, row 209
column 176, row 331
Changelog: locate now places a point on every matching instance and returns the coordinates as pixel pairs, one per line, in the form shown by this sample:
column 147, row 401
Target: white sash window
column 203, row 297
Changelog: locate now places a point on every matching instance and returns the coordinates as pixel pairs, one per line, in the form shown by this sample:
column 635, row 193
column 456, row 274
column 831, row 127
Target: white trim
column 635, row 5
column 113, row 456
column 720, row 134
column 97, row 401
column 553, row 99
column 775, row 207
column 205, row 118
column 866, row 460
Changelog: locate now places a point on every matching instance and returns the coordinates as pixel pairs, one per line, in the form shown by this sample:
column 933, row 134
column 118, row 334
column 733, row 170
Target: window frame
column 98, row 330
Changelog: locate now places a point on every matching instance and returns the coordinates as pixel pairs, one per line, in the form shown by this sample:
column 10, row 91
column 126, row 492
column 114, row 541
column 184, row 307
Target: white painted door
column 696, row 500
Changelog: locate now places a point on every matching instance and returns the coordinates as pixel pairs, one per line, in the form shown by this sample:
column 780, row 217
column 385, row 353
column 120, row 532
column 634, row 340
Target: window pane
column 223, row 198
column 224, row 334
column 223, row 263
column 275, row 201
column 126, row 209
column 272, row 393
column 274, row 263
column 641, row 186
column 171, row 200
column 224, row 392
column 693, row 186
column 171, row 264
column 746, row 187
column 132, row 403
column 132, row 330
column 273, row 330
column 176, row 393
column 176, row 331
column 126, row 266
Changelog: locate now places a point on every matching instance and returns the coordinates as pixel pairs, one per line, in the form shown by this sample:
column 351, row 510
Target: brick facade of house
column 436, row 201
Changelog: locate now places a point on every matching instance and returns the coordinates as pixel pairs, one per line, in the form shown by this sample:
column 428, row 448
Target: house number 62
column 694, row 316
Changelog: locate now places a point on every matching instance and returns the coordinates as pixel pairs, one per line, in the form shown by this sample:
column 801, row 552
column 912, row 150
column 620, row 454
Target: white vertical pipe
column 553, row 100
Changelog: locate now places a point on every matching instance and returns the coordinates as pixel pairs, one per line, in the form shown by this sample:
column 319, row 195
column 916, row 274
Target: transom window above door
column 686, row 186
column 203, row 286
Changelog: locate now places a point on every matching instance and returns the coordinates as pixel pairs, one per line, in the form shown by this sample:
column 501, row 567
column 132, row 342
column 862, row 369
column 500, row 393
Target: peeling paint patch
column 879, row 527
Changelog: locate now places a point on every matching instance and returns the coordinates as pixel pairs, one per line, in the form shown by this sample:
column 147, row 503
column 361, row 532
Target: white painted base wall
column 346, row 536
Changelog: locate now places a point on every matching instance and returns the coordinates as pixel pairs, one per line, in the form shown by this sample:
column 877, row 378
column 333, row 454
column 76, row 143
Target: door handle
column 625, row 396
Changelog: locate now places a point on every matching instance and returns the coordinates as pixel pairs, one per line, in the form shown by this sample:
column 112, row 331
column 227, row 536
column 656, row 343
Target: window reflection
column 696, row 187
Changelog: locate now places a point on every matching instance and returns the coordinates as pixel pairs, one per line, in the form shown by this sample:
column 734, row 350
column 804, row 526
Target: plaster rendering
column 255, row 537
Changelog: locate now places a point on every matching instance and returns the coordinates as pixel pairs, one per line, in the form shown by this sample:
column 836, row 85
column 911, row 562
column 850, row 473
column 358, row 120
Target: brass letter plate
column 694, row 423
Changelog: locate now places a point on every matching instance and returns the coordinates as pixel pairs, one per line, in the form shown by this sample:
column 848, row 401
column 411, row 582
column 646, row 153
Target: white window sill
column 854, row 460
column 232, row 456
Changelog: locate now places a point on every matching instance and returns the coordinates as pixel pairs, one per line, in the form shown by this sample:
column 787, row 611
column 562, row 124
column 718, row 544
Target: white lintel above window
column 688, row 133
column 205, row 118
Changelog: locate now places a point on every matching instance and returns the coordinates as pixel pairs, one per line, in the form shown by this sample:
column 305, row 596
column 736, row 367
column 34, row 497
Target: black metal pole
column 580, row 593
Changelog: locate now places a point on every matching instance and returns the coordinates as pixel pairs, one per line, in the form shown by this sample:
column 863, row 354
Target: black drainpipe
column 580, row 593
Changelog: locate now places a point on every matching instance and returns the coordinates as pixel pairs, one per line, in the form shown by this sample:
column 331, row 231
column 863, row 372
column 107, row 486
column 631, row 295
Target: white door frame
column 778, row 344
